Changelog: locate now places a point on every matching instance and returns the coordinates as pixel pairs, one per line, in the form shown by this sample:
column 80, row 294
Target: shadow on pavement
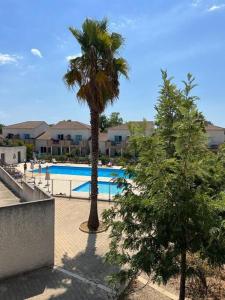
column 55, row 285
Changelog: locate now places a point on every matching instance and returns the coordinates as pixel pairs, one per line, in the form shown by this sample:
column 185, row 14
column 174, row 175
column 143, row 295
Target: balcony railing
column 67, row 143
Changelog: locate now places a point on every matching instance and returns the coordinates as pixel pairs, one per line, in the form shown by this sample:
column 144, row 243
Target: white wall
column 39, row 144
column 102, row 147
column 11, row 154
column 86, row 133
column 215, row 137
column 123, row 133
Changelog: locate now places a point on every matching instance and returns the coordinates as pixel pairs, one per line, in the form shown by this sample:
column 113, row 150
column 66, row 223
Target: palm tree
column 96, row 75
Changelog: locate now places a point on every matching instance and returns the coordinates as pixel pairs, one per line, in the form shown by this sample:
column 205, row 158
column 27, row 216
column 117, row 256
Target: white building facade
column 27, row 131
column 12, row 155
column 64, row 137
column 215, row 135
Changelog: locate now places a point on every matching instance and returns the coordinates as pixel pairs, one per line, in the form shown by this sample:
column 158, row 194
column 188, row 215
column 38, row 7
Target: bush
column 105, row 159
column 30, row 149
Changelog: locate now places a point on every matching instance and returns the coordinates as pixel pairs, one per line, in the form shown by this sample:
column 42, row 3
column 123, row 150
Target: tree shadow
column 60, row 282
column 88, row 265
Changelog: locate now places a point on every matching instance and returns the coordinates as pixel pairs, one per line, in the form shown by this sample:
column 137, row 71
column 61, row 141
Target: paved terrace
column 6, row 196
column 79, row 271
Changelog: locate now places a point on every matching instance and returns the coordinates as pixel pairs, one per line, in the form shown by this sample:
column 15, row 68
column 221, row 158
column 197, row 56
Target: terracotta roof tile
column 213, row 127
column 71, row 125
column 26, row 125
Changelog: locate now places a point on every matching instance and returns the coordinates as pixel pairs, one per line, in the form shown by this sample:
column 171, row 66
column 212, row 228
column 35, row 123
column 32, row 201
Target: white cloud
column 8, row 58
column 69, row 57
column 36, row 52
column 123, row 23
column 216, row 7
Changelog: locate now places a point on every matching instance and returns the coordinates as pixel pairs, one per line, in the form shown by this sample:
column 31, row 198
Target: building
column 216, row 135
column 12, row 155
column 26, row 131
column 115, row 141
column 65, row 137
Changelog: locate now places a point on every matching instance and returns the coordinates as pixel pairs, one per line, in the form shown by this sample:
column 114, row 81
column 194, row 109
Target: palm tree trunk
column 93, row 221
column 183, row 275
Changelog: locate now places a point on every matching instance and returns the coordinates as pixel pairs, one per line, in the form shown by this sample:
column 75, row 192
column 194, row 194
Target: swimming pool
column 103, row 188
column 83, row 171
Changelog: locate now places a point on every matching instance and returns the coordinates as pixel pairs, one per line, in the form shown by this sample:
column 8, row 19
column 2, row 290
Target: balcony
column 16, row 138
column 67, row 143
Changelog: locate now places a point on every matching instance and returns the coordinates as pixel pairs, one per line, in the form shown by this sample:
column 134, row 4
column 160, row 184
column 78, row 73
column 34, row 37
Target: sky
column 179, row 36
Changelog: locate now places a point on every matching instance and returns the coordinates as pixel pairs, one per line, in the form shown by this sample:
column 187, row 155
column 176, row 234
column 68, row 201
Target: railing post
column 89, row 190
column 109, row 192
column 52, row 187
column 70, row 188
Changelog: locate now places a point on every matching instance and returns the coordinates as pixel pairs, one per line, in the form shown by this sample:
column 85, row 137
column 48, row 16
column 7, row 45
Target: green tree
column 1, row 126
column 30, row 150
column 113, row 120
column 96, row 74
column 137, row 133
column 103, row 123
column 179, row 207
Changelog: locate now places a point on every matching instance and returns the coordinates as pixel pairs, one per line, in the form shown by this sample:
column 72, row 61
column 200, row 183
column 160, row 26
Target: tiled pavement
column 80, row 271
column 77, row 253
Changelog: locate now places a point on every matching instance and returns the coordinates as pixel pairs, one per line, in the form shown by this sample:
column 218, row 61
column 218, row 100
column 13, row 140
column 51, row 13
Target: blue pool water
column 103, row 187
column 84, row 171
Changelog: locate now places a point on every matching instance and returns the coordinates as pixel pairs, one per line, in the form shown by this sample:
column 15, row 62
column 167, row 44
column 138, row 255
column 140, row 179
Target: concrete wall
column 11, row 183
column 11, row 154
column 27, row 237
column 31, row 193
column 32, row 132
column 25, row 192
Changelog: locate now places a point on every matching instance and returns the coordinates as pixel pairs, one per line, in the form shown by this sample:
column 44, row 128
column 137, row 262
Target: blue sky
column 178, row 35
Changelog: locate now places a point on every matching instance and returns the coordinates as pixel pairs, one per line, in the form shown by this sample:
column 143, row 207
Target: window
column 26, row 136
column 43, row 149
column 60, row 136
column 118, row 138
column 78, row 138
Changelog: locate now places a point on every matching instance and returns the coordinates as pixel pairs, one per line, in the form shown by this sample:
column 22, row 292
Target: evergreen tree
column 175, row 205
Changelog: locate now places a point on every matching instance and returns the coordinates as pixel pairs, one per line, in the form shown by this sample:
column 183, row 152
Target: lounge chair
column 100, row 163
column 54, row 161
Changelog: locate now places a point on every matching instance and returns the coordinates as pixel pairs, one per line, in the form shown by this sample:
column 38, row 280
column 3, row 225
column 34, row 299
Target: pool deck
column 63, row 185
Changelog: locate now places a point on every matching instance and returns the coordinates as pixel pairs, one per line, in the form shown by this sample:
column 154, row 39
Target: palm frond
column 77, row 34
column 117, row 41
column 121, row 66
column 96, row 73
